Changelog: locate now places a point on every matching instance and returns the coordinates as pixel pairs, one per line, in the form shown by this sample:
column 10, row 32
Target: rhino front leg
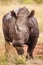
column 31, row 47
column 7, row 44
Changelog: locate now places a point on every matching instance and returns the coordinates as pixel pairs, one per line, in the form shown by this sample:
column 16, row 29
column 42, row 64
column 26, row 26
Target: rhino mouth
column 20, row 50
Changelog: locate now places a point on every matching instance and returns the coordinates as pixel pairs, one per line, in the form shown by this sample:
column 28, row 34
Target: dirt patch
column 38, row 51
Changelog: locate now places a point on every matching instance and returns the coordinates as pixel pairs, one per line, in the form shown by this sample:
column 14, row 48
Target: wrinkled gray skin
column 21, row 28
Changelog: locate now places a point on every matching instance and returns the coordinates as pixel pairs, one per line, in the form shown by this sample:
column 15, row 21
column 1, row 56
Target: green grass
column 3, row 60
column 11, row 59
column 20, row 60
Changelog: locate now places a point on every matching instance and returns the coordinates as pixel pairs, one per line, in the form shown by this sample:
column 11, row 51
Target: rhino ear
column 31, row 14
column 13, row 14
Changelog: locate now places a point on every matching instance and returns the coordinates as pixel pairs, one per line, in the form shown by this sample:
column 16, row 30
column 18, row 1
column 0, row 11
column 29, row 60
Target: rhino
column 21, row 28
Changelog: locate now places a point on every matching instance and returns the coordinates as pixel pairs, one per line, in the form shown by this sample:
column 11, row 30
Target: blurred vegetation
column 26, row 1
column 12, row 59
column 38, row 1
column 23, row 1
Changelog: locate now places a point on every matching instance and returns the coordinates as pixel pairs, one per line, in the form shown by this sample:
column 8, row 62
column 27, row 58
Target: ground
column 38, row 51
